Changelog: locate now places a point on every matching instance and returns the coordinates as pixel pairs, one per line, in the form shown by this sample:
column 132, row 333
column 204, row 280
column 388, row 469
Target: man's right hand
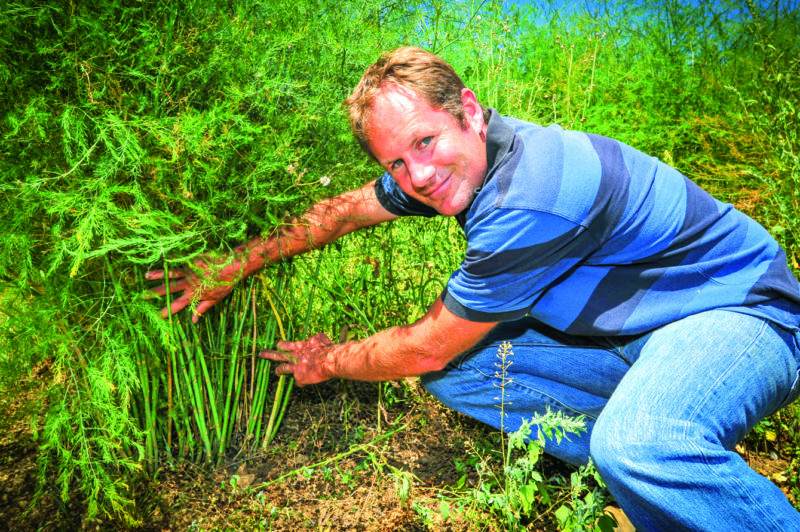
column 206, row 283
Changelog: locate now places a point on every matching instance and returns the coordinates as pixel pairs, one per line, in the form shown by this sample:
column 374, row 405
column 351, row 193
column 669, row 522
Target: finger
column 157, row 291
column 177, row 305
column 276, row 356
column 159, row 274
column 201, row 309
column 292, row 346
column 320, row 340
column 177, row 286
column 283, row 369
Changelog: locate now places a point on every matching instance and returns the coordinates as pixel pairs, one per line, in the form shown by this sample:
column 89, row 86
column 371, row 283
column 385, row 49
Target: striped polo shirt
column 592, row 237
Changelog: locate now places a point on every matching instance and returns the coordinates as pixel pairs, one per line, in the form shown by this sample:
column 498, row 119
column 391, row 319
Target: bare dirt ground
column 328, row 469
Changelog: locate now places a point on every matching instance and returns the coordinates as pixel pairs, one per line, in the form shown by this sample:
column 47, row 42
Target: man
column 630, row 296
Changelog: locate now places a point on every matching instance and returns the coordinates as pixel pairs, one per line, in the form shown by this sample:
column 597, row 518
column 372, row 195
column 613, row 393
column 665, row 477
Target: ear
column 473, row 113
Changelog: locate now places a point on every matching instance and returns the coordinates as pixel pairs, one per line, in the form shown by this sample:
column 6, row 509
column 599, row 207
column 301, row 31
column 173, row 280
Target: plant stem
column 333, row 459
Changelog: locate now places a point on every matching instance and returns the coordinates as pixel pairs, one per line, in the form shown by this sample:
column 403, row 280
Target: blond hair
column 410, row 68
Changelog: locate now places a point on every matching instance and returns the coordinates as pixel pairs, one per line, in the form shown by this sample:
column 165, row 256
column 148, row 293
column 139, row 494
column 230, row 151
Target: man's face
column 430, row 155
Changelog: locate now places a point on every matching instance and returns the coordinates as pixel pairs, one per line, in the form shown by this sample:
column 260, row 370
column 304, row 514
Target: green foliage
column 513, row 488
column 523, row 491
column 772, row 112
column 137, row 136
column 150, row 141
column 518, row 493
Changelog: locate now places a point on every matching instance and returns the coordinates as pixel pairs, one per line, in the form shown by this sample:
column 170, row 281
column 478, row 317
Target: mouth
column 439, row 189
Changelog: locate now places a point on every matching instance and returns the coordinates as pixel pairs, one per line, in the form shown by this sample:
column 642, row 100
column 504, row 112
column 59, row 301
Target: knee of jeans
column 606, row 450
column 624, row 446
column 613, row 449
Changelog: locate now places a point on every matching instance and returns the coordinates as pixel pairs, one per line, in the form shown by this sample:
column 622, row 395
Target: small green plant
column 427, row 517
column 583, row 508
column 348, row 478
column 524, row 493
column 403, row 485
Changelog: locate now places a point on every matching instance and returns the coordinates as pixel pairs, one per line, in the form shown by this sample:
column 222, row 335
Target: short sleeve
column 397, row 202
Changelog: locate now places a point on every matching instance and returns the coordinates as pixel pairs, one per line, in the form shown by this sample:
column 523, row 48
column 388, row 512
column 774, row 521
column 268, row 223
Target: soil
column 324, row 471
column 362, row 489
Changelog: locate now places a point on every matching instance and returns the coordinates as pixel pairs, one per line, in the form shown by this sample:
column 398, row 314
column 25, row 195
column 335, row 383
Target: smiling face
column 431, row 156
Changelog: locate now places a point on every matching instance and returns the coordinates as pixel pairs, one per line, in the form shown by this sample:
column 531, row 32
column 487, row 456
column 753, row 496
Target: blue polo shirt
column 593, row 237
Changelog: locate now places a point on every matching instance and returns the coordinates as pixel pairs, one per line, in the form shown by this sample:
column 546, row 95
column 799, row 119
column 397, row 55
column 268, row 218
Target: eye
column 424, row 142
column 395, row 165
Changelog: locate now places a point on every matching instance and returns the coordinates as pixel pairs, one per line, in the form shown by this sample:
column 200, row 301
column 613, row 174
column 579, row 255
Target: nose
column 420, row 174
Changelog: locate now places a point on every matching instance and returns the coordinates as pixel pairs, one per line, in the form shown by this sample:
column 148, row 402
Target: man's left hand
column 305, row 360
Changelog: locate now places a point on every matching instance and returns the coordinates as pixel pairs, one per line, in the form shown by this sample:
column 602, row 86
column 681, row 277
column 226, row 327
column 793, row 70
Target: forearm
column 389, row 355
column 427, row 345
column 291, row 238
column 410, row 350
column 320, row 225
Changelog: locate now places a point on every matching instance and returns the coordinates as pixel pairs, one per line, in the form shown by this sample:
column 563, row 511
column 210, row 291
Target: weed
column 403, row 484
column 512, row 486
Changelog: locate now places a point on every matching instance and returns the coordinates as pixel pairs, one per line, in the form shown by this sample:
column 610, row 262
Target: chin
column 457, row 206
column 450, row 210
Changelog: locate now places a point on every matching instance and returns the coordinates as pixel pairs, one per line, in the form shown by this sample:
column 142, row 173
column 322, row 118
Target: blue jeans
column 663, row 411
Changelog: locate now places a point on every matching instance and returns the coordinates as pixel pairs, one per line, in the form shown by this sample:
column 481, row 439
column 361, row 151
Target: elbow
column 428, row 362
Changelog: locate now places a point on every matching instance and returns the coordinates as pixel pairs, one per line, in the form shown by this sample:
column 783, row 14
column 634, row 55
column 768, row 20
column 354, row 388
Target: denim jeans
column 663, row 411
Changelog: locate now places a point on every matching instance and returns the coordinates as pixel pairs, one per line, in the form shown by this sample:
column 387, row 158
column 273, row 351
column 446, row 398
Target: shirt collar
column 499, row 137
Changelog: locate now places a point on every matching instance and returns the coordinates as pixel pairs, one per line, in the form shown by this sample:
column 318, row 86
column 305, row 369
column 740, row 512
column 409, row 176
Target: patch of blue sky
column 688, row 26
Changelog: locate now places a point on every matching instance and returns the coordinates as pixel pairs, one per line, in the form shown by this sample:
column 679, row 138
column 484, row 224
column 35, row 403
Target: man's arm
column 427, row 345
column 321, row 224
